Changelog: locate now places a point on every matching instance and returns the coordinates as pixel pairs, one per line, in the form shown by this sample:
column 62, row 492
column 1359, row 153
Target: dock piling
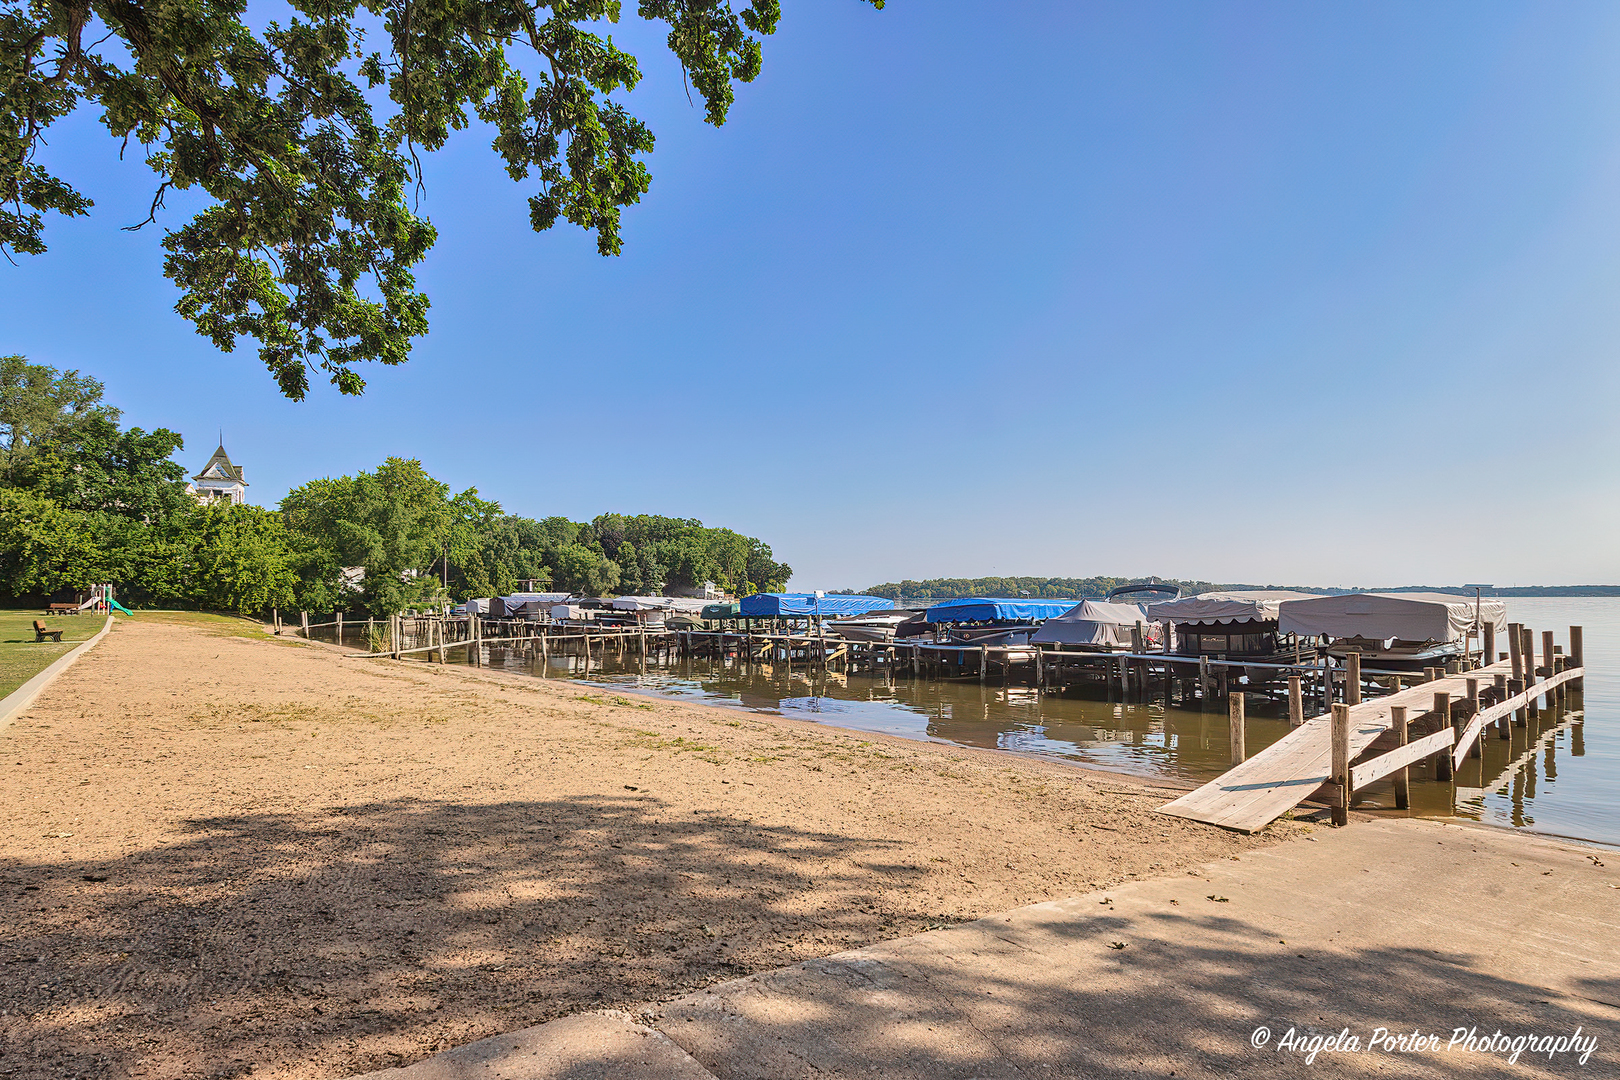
column 1403, row 785
column 1234, row 712
column 1341, row 764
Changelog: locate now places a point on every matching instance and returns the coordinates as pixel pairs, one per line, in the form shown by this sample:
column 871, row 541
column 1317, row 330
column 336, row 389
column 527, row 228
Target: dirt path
column 223, row 854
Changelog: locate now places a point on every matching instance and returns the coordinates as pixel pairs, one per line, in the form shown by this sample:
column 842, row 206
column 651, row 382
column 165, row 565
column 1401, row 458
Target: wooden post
column 1403, row 787
column 1234, row 716
column 545, row 655
column 984, row 662
column 1442, row 709
column 1341, row 764
column 1327, row 682
column 1576, row 657
column 338, row 618
column 1296, row 701
column 1547, row 654
column 303, row 619
column 1203, row 681
column 275, row 620
column 1528, row 650
column 1515, row 651
column 1488, row 650
column 1040, row 669
column 1352, row 678
column 1501, row 687
column 1515, row 687
column 1473, row 699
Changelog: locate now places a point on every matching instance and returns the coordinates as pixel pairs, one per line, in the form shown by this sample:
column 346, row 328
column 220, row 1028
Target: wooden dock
column 1303, row 763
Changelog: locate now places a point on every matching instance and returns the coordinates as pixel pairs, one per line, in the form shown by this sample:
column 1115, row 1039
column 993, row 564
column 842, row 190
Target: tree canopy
column 304, row 125
column 84, row 501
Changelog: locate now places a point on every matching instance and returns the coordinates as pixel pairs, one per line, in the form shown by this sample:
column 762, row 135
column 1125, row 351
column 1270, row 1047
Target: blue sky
column 1267, row 292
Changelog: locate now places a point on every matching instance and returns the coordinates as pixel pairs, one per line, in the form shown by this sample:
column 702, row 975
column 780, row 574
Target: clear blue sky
column 1272, row 292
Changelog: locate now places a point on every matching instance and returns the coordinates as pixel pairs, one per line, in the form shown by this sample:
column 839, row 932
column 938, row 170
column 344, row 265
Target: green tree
column 394, row 522
column 241, row 559
column 309, row 234
column 40, row 406
column 584, row 571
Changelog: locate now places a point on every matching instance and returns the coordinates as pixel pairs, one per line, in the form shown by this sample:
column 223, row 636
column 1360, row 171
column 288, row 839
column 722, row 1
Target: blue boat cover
column 989, row 609
column 771, row 605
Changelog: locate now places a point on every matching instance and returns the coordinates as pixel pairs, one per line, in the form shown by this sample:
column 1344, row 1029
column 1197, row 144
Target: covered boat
column 1097, row 624
column 1233, row 622
column 1407, row 630
column 524, row 605
column 806, row 605
column 988, row 620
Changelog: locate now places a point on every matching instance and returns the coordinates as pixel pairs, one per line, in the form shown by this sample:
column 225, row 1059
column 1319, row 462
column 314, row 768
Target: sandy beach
column 226, row 853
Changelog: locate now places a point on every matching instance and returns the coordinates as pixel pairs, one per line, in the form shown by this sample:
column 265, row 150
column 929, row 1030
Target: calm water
column 1559, row 777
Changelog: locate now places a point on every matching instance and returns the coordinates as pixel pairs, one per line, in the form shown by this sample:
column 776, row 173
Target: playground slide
column 120, row 607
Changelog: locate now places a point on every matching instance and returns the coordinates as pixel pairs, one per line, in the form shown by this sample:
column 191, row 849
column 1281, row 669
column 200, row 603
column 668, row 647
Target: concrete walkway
column 1407, row 925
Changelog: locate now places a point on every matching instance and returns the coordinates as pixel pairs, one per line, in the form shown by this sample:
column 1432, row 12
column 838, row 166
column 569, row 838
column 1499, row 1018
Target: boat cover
column 521, row 604
column 732, row 610
column 991, row 609
column 770, row 605
column 1096, row 622
column 1414, row 616
column 477, row 607
column 1238, row 605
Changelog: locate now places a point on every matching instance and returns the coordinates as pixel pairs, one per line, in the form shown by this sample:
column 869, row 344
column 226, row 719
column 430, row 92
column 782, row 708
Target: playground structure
column 103, row 600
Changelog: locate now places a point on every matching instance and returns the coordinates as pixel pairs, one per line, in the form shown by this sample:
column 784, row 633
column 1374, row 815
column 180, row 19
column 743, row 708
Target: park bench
column 41, row 633
column 63, row 609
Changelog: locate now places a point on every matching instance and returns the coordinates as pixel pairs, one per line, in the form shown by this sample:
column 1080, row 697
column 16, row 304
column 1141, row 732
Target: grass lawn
column 21, row 658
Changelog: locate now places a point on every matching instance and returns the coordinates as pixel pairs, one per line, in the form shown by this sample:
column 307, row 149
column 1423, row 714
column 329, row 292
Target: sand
column 223, row 853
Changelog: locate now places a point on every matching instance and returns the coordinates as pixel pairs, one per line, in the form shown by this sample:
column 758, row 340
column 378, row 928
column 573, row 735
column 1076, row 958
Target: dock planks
column 1252, row 795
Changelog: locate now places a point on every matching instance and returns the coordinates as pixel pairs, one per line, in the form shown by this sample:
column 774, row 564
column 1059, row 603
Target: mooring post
column 1516, row 651
column 1528, row 649
column 1501, row 687
column 1352, row 678
column 338, row 618
column 1203, row 681
column 1296, row 701
column 1547, row 653
column 1234, row 716
column 1576, row 657
column 1473, row 700
column 1341, row 764
column 1442, row 711
column 984, row 662
column 303, row 620
column 1403, row 789
column 1488, row 650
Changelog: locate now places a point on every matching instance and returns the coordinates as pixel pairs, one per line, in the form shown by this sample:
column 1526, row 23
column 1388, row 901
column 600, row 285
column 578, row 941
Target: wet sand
column 223, row 853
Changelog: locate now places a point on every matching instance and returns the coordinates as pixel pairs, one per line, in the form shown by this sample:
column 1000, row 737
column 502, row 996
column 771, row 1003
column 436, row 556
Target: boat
column 1405, row 631
column 1099, row 626
column 1233, row 624
column 994, row 621
column 874, row 625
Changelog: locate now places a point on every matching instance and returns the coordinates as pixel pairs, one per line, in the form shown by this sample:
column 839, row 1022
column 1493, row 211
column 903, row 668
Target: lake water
column 1559, row 777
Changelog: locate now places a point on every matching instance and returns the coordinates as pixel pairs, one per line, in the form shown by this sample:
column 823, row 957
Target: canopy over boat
column 798, row 605
column 1095, row 622
column 992, row 609
column 682, row 604
column 732, row 610
column 519, row 605
column 1237, row 605
column 1413, row 616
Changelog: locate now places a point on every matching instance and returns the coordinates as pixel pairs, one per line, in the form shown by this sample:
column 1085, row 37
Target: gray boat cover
column 1237, row 605
column 1413, row 616
column 1096, row 622
column 685, row 605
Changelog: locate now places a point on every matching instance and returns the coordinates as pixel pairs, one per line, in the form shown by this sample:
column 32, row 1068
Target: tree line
column 1039, row 588
column 84, row 500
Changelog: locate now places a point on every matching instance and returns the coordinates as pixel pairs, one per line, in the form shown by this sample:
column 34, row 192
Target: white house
column 220, row 479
